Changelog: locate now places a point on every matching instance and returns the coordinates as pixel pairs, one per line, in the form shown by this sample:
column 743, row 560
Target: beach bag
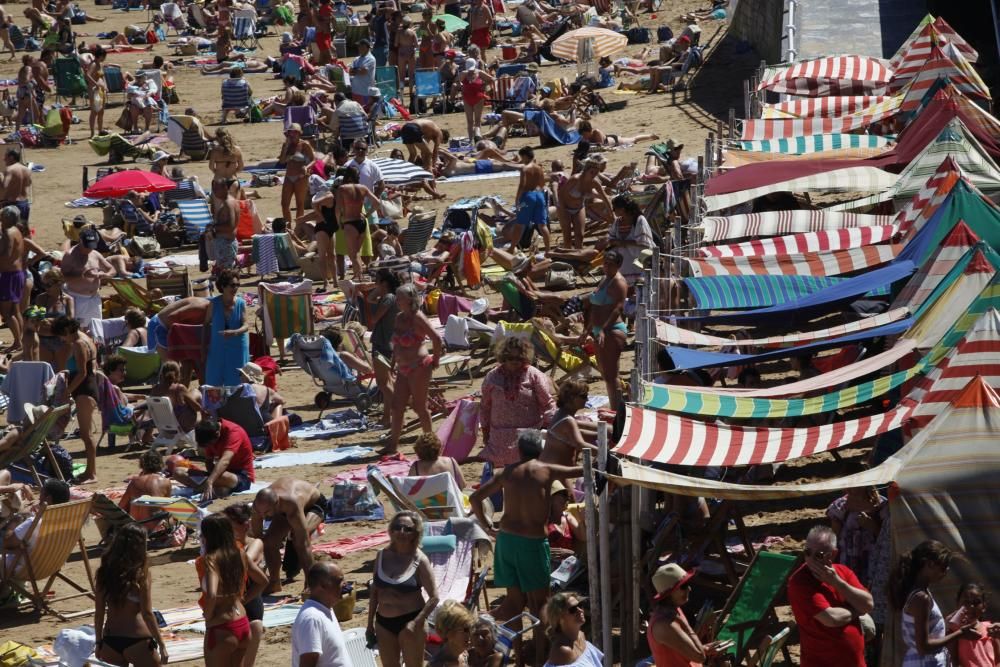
column 472, row 268
column 354, row 501
column 256, row 114
column 638, row 35
column 560, row 276
column 431, row 301
column 125, row 119
column 62, row 458
column 147, row 246
column 13, row 654
column 459, row 431
column 170, row 95
column 664, row 33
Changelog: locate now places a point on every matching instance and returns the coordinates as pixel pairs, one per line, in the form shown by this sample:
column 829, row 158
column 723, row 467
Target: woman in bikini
column 605, row 325
column 430, row 462
column 351, row 198
column 324, row 215
column 413, row 365
column 82, row 387
column 397, row 612
column 566, row 437
column 98, row 89
column 441, row 41
column 473, row 82
column 225, row 160
column 297, row 157
column 572, row 201
column 598, row 138
column 56, row 304
column 224, row 586
column 406, row 56
column 239, row 517
column 124, row 626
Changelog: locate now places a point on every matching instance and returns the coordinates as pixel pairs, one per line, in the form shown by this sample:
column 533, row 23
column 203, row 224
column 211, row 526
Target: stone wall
column 761, row 23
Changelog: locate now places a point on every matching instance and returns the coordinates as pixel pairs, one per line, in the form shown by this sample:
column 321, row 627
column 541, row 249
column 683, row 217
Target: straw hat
column 253, row 373
column 668, row 577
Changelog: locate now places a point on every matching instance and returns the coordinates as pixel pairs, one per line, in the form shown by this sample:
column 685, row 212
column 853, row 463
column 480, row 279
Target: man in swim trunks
column 295, row 508
column 480, row 24
column 84, row 267
column 521, row 560
column 11, row 273
column 423, row 137
column 16, row 182
column 189, row 310
column 532, row 204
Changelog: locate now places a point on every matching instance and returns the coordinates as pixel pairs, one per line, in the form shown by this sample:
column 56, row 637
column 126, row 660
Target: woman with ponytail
column 924, row 631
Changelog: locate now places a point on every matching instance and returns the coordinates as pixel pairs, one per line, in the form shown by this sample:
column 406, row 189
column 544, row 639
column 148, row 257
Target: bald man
column 295, row 508
column 316, row 637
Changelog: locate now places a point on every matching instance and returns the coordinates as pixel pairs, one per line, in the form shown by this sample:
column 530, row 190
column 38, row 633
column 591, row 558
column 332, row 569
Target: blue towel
column 550, row 131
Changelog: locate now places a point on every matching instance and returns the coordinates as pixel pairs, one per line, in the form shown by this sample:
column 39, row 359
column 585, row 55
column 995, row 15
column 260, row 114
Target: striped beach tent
column 734, row 159
column 671, row 334
column 754, row 291
column 775, row 223
column 919, row 43
column 944, row 62
column 832, row 75
column 974, row 410
column 759, row 129
column 952, row 249
column 916, row 54
column 822, row 241
column 922, row 205
column 828, row 263
column 954, row 142
column 808, row 107
column 817, row 143
column 850, row 179
column 401, row 172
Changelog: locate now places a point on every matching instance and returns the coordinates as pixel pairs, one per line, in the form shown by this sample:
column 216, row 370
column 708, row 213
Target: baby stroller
column 316, row 356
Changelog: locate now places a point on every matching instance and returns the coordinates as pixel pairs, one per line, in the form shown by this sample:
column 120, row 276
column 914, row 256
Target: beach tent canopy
column 763, row 129
column 817, row 143
column 809, row 107
column 401, row 172
column 833, row 75
column 805, row 242
column 826, row 263
column 774, row 223
column 944, row 62
column 918, row 44
column 851, row 179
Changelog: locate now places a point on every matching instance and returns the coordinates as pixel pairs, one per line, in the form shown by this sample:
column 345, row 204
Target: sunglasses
column 403, row 529
column 573, row 608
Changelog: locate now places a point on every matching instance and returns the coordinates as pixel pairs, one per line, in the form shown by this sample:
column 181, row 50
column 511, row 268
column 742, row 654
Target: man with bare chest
column 532, row 204
column 16, row 181
column 294, row 507
column 11, row 273
column 189, row 310
column 84, row 267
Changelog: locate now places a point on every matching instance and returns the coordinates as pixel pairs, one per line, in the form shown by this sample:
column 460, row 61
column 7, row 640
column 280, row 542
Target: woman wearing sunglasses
column 564, row 618
column 670, row 637
column 397, row 615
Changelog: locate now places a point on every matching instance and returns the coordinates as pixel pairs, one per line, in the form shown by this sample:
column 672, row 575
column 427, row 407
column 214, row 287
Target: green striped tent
column 816, row 143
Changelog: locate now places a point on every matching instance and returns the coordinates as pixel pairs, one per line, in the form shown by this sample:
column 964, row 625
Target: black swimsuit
column 328, row 224
column 360, row 225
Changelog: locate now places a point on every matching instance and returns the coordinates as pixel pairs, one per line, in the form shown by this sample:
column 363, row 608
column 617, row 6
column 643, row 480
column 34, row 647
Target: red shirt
column 234, row 439
column 823, row 646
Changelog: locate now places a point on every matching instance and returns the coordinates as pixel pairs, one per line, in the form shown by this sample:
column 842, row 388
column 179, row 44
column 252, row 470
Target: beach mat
column 274, row 617
column 333, row 425
column 347, row 545
column 479, row 177
column 320, row 457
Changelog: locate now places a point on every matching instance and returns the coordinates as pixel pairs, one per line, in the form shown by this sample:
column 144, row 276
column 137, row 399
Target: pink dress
column 511, row 403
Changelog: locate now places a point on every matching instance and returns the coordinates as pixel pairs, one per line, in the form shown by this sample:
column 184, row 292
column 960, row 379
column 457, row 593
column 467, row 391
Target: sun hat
column 479, row 306
column 558, row 487
column 253, row 373
column 668, row 578
column 470, row 64
column 294, row 127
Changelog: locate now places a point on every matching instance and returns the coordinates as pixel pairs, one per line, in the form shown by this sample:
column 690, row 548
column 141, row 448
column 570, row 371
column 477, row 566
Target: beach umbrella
column 452, row 23
column 401, row 172
column 120, row 183
column 606, row 43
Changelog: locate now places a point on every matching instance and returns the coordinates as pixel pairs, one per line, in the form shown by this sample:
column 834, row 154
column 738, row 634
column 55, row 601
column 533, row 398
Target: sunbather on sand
column 486, row 161
column 598, row 137
column 248, row 65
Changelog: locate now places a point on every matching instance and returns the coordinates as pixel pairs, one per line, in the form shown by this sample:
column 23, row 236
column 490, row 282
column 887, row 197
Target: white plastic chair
column 358, row 652
column 168, row 431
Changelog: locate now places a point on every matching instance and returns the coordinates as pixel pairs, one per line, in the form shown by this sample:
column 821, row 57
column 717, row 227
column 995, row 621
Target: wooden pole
column 605, row 548
column 746, row 99
column 709, row 150
column 590, row 513
column 732, row 124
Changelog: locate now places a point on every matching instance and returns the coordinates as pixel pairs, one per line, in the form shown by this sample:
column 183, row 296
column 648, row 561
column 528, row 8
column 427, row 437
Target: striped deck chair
column 175, row 281
column 454, row 571
column 134, row 295
column 186, row 342
column 418, row 232
column 33, row 569
column 115, row 81
column 337, row 78
column 768, row 649
column 245, row 33
column 196, row 217
column 181, row 510
column 436, row 496
column 236, row 94
column 112, row 518
column 31, row 440
column 286, row 312
column 381, row 484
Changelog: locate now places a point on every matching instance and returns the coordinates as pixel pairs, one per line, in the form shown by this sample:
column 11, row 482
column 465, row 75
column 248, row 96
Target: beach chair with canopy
column 33, row 567
column 749, row 611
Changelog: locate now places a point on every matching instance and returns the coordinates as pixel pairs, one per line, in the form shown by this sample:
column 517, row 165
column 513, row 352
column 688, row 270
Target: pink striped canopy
column 776, row 223
column 921, row 284
column 833, row 263
column 758, row 129
column 939, row 64
column 836, row 75
column 822, row 106
column 822, row 241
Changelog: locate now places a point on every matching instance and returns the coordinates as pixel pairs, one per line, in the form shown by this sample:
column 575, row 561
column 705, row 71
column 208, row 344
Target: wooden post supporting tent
column 719, row 141
column 709, row 151
column 604, row 535
column 746, row 99
column 590, row 514
column 732, row 124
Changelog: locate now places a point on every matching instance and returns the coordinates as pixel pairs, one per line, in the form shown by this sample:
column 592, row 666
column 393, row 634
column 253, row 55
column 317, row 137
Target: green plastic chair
column 70, row 83
column 751, row 605
column 31, row 440
column 142, row 364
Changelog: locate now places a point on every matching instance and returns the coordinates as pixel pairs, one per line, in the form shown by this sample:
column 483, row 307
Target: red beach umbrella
column 120, row 183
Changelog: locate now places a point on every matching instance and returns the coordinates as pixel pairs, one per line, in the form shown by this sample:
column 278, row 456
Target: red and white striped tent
column 944, row 62
column 923, row 43
column 915, row 55
column 830, row 263
column 953, row 247
column 759, row 129
column 775, row 223
column 833, row 106
column 834, row 75
column 822, row 241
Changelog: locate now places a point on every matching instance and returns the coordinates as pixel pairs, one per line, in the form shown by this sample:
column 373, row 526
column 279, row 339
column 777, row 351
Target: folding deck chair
column 436, row 496
column 115, row 81
column 285, row 313
column 114, row 518
column 749, row 611
column 173, row 17
column 768, row 649
column 180, row 509
column 32, row 439
column 414, row 238
column 456, row 570
column 387, row 81
column 427, row 84
column 245, row 33
column 70, row 83
column 134, row 295
column 305, row 116
column 236, row 95
column 196, row 217
column 358, row 652
column 143, row 364
column 50, row 541
column 168, row 432
column 175, row 281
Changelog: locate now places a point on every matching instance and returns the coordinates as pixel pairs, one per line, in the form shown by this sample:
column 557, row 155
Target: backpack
column 256, row 114
column 62, row 458
column 638, row 35
column 664, row 33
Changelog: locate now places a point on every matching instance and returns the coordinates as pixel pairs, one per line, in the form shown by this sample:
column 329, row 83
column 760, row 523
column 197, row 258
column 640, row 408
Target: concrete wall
column 761, row 23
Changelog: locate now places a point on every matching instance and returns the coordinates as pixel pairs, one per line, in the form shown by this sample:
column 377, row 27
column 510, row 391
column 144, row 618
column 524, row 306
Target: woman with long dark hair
column 223, row 585
column 124, row 625
column 630, row 234
column 82, row 387
column 239, row 516
column 382, row 322
column 605, row 325
column 924, row 632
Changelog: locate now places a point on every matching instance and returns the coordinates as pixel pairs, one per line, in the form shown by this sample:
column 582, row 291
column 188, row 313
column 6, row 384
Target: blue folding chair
column 245, row 33
column 196, row 217
column 428, row 85
column 115, row 81
column 291, row 68
column 387, row 81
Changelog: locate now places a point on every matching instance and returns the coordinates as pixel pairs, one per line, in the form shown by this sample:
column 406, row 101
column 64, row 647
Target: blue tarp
column 685, row 358
column 845, row 291
column 549, row 130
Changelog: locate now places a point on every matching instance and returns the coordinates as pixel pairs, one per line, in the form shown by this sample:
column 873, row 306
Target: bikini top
column 600, row 297
column 551, row 430
column 406, row 338
column 406, row 583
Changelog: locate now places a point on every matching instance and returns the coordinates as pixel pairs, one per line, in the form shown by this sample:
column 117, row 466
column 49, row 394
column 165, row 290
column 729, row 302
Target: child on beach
column 981, row 652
